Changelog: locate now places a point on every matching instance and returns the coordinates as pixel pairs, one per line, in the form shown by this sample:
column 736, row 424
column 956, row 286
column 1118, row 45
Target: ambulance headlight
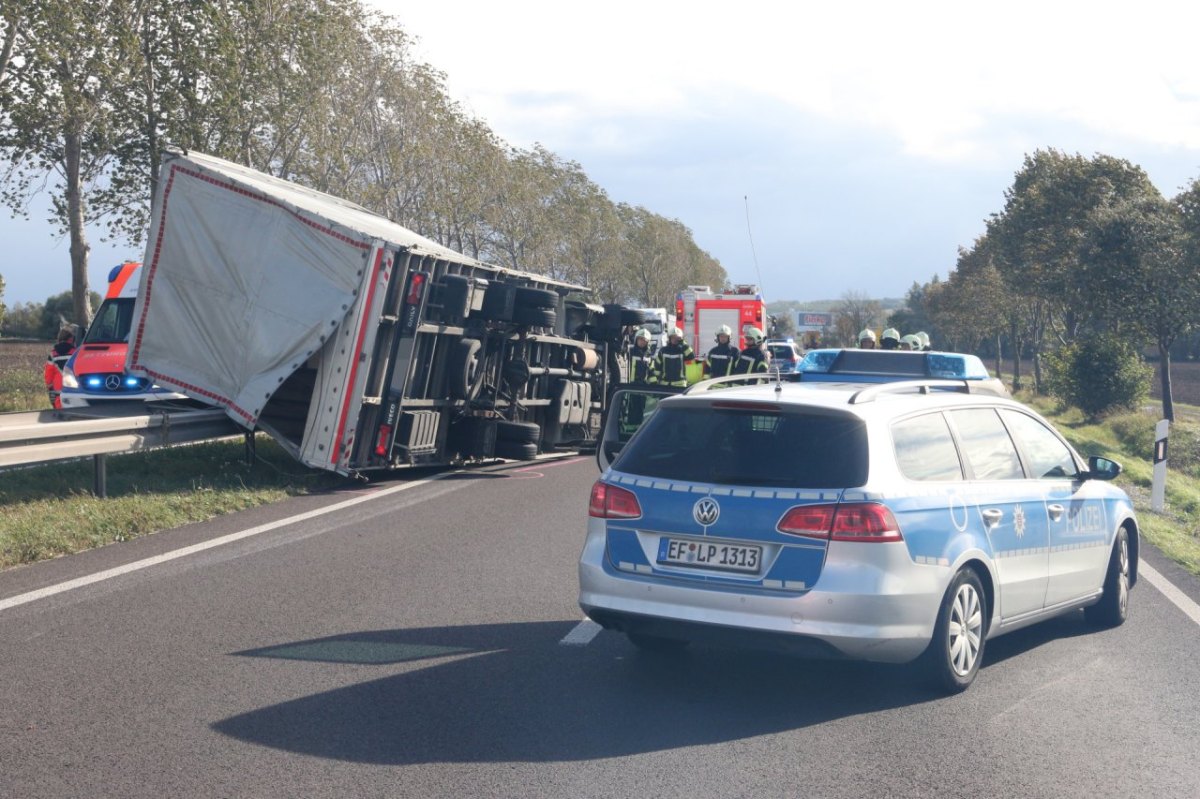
column 69, row 380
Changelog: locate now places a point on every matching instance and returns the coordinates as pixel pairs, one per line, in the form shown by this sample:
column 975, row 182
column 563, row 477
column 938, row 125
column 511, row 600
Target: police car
column 877, row 505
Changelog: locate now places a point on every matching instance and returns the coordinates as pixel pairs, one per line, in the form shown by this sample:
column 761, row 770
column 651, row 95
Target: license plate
column 710, row 555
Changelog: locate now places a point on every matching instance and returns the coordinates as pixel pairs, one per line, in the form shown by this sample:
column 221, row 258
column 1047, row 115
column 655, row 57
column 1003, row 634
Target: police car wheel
column 956, row 649
column 1113, row 607
column 656, row 644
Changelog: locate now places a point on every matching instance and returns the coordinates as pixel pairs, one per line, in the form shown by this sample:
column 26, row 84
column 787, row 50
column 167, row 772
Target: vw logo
column 706, row 512
column 112, row 382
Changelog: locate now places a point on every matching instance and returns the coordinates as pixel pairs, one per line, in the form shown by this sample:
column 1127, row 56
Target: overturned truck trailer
column 355, row 343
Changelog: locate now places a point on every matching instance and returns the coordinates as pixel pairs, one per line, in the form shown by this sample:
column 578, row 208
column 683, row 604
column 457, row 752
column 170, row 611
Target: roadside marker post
column 1158, row 488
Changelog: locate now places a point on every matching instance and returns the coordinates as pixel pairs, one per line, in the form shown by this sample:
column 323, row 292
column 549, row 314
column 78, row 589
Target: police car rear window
column 730, row 446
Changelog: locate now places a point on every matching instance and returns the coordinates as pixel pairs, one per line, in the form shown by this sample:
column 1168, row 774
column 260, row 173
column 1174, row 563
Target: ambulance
column 699, row 311
column 96, row 372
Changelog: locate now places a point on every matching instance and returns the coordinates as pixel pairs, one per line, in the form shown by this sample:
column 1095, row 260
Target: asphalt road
column 411, row 644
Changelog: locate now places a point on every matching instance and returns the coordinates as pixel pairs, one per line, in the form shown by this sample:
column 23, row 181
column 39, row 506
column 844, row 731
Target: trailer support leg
column 251, row 451
column 100, row 487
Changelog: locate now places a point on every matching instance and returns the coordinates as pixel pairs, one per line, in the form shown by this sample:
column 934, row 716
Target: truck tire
column 518, row 432
column 535, row 317
column 516, row 451
column 464, row 369
column 536, row 298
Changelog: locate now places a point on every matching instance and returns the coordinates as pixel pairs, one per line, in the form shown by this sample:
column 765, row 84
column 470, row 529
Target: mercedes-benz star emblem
column 706, row 512
column 112, row 382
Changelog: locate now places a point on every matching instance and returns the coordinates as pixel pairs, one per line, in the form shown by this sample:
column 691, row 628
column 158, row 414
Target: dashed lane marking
column 582, row 635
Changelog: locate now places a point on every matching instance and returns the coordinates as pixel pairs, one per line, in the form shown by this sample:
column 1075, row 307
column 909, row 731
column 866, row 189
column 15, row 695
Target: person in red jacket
column 55, row 361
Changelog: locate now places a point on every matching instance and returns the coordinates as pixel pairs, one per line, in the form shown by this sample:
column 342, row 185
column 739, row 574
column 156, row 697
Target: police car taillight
column 868, row 522
column 611, row 502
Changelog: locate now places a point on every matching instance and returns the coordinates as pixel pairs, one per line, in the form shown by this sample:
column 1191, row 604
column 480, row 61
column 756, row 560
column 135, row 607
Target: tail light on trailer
column 611, row 502
column 381, row 443
column 868, row 522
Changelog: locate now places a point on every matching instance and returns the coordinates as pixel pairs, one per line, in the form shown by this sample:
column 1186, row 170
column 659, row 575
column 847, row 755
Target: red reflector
column 611, row 502
column 865, row 521
column 811, row 521
column 381, row 443
column 414, row 289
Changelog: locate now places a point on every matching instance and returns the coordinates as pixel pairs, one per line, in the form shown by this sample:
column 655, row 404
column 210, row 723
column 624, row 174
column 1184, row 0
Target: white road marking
column 582, row 635
column 1168, row 589
column 108, row 574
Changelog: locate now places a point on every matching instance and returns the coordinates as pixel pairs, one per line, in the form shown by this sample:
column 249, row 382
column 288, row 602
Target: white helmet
column 723, row 330
column 641, row 333
column 867, row 333
column 912, row 341
column 754, row 335
column 676, row 332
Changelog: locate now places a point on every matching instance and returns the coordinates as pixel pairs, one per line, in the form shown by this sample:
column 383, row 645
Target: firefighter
column 890, row 340
column 641, row 362
column 925, row 345
column 55, row 361
column 910, row 342
column 672, row 359
column 866, row 339
column 754, row 359
column 721, row 358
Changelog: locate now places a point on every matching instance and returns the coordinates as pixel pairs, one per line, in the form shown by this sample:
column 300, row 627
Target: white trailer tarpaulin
column 247, row 276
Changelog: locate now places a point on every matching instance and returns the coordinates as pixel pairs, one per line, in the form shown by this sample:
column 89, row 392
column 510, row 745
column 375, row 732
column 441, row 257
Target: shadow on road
column 515, row 694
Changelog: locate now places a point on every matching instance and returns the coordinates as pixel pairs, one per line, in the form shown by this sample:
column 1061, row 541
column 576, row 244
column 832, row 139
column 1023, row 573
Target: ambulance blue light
column 131, row 382
column 94, row 382
column 116, row 270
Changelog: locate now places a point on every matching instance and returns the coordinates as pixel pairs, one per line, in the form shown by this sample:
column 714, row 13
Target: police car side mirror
column 1101, row 468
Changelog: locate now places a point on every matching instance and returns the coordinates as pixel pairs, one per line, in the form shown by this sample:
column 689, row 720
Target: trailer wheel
column 515, row 451
column 535, row 317
column 464, row 369
column 518, row 432
column 536, row 298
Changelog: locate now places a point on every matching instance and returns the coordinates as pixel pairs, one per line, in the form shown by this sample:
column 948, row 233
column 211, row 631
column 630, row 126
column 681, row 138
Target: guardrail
column 41, row 436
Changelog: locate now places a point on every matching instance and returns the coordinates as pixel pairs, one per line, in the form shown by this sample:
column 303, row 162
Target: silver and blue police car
column 884, row 506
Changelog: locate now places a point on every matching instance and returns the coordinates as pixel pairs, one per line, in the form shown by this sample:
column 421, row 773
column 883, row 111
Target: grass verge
column 49, row 510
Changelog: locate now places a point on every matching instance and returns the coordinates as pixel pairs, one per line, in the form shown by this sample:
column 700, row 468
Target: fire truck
column 699, row 311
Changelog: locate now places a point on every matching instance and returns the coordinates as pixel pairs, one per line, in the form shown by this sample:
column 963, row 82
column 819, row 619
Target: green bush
column 1099, row 374
column 1135, row 431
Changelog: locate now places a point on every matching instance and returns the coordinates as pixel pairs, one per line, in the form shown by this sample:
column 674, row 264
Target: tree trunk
column 1016, row 358
column 1164, row 365
column 999, row 354
column 79, row 246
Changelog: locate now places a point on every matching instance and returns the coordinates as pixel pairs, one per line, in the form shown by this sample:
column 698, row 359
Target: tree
column 852, row 313
column 58, row 120
column 1036, row 238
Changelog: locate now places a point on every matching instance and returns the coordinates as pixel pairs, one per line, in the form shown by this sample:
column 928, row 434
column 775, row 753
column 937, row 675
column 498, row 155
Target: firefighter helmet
column 723, row 330
column 911, row 341
column 924, row 339
column 641, row 333
column 867, row 334
column 891, row 333
column 675, row 331
column 754, row 335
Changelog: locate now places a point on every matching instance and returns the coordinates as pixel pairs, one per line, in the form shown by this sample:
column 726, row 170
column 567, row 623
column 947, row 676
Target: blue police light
column 94, row 382
column 818, row 361
column 955, row 366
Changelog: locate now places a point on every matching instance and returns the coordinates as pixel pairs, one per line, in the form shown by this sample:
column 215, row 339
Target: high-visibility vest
column 672, row 360
column 751, row 361
column 641, row 365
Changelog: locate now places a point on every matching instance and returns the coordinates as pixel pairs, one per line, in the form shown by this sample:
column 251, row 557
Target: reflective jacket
column 641, row 365
column 670, row 363
column 752, row 360
column 53, row 372
column 721, row 359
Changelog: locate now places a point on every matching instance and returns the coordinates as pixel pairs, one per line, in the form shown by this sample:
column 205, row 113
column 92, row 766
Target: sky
column 813, row 148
